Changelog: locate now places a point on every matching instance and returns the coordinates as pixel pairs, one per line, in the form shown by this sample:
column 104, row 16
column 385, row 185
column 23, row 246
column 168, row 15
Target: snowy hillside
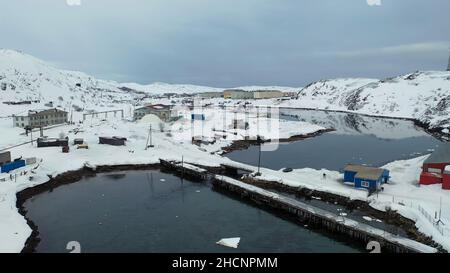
column 424, row 96
column 23, row 77
column 161, row 88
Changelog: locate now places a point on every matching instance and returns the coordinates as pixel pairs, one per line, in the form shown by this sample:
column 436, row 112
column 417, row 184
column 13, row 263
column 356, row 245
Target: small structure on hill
column 164, row 112
column 115, row 141
column 436, row 168
column 237, row 94
column 52, row 142
column 267, row 94
column 365, row 177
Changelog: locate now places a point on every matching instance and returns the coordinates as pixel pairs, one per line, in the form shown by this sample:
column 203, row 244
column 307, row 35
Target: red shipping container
column 430, row 178
column 446, row 181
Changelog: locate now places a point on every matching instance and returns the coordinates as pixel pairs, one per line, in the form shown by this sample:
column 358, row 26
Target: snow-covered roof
column 365, row 172
column 441, row 154
column 447, row 169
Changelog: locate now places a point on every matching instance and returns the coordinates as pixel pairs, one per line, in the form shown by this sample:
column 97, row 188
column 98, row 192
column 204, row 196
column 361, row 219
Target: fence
column 435, row 224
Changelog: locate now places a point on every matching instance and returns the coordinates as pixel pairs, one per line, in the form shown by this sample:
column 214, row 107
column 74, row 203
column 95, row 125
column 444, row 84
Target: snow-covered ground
column 172, row 144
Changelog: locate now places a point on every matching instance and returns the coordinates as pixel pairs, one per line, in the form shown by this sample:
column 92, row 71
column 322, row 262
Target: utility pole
column 151, row 139
column 259, row 141
column 448, row 66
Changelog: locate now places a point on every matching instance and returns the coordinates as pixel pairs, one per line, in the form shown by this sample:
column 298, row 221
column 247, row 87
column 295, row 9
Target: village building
column 210, row 95
column 365, row 177
column 5, row 157
column 163, row 112
column 52, row 142
column 237, row 94
column 114, row 141
column 436, row 168
column 40, row 118
column 267, row 94
column 290, row 94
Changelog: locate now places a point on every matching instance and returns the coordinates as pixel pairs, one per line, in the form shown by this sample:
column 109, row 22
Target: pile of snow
column 150, row 119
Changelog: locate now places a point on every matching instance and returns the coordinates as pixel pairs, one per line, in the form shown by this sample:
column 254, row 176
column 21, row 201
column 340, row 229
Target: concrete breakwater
column 324, row 219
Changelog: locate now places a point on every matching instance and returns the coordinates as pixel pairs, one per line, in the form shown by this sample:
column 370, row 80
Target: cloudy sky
column 227, row 43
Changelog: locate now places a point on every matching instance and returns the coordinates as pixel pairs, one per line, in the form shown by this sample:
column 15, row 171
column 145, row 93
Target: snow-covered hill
column 161, row 88
column 424, row 96
column 23, row 77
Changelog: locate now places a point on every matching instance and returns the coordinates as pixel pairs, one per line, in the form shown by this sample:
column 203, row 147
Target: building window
column 365, row 184
column 434, row 170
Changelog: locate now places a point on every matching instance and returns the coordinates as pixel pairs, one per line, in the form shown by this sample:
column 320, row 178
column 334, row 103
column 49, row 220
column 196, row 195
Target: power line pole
column 448, row 66
column 259, row 141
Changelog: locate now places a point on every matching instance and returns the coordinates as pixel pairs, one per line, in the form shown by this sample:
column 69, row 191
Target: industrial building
column 237, row 94
column 436, row 168
column 365, row 177
column 210, row 95
column 40, row 118
column 163, row 112
column 267, row 94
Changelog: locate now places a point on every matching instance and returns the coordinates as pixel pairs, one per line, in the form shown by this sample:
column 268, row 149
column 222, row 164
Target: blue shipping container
column 197, row 117
column 12, row 166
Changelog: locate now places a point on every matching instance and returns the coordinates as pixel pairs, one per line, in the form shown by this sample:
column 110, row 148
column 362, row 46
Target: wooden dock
column 184, row 169
column 327, row 220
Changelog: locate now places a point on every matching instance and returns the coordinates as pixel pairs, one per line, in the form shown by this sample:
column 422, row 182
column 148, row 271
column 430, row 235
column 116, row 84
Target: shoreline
column 240, row 145
column 65, row 178
column 73, row 176
column 390, row 217
column 434, row 131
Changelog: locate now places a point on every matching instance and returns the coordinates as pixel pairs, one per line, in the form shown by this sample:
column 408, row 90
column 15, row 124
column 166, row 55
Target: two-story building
column 40, row 118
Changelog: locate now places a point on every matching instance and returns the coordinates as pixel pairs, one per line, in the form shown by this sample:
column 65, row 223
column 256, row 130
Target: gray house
column 40, row 118
column 162, row 111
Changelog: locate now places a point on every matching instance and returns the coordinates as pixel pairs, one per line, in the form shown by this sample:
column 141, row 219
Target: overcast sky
column 227, row 43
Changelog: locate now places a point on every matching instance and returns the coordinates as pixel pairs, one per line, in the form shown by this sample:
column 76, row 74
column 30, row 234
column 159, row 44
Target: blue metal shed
column 366, row 177
column 12, row 166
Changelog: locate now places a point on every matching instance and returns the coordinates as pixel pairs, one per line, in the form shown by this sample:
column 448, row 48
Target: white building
column 40, row 118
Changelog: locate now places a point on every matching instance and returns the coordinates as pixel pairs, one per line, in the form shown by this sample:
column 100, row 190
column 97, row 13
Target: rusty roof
column 364, row 172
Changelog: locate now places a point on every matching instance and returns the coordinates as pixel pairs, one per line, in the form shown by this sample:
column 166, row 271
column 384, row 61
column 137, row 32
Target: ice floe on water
column 230, row 242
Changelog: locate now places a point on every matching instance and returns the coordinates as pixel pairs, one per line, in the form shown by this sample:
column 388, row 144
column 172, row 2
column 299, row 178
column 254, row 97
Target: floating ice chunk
column 367, row 218
column 230, row 242
column 343, row 214
column 162, row 179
